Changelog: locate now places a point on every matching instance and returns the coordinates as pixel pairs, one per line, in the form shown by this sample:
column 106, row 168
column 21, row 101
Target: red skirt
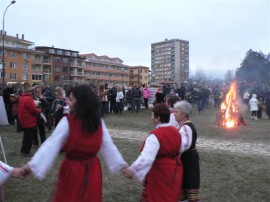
column 79, row 181
column 163, row 181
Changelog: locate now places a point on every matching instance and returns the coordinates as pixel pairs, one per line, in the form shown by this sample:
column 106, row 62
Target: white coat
column 253, row 103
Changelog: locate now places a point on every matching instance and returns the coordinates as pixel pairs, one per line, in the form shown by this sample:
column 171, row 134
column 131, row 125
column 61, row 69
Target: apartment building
column 21, row 62
column 103, row 69
column 139, row 75
column 61, row 65
column 170, row 61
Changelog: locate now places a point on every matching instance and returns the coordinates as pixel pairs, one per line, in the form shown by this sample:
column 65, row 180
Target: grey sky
column 220, row 32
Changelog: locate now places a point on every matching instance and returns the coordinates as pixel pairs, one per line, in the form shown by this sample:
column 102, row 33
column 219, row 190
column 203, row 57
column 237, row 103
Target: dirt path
column 259, row 149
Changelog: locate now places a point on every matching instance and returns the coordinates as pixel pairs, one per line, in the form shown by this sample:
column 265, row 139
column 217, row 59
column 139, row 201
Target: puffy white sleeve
column 46, row 155
column 144, row 162
column 5, row 172
column 186, row 136
column 110, row 153
column 172, row 121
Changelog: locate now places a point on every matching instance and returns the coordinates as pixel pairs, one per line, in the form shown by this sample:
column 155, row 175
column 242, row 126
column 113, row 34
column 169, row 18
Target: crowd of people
column 168, row 164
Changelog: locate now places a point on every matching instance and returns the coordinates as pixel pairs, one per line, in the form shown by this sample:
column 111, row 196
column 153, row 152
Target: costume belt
column 177, row 161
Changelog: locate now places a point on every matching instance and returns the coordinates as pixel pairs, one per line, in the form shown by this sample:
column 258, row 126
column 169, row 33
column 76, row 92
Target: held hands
column 128, row 173
column 21, row 173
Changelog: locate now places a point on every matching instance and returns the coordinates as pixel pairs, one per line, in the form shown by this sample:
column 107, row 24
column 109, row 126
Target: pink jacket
column 146, row 93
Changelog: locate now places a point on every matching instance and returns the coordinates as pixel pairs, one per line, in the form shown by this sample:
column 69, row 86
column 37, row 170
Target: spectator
column 253, row 104
column 28, row 113
column 146, row 95
column 42, row 104
column 58, row 105
column 119, row 101
column 15, row 101
column 112, row 95
column 102, row 93
column 137, row 96
column 8, row 91
column 129, row 99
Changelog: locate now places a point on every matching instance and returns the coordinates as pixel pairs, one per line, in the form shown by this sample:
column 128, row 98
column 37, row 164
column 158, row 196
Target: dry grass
column 224, row 177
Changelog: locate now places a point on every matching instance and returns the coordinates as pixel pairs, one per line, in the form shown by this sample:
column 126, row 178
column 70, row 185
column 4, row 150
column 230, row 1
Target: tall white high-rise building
column 170, row 61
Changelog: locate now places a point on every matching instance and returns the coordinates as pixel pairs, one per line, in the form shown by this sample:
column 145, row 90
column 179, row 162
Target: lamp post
column 3, row 47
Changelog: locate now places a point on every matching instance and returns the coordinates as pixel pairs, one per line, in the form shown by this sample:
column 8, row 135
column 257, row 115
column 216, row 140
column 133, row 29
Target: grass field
column 224, row 176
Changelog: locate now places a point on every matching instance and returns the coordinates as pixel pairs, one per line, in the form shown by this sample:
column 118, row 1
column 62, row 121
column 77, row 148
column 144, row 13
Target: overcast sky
column 220, row 32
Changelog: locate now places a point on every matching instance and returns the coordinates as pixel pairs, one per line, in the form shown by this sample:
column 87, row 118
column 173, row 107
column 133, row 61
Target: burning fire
column 230, row 107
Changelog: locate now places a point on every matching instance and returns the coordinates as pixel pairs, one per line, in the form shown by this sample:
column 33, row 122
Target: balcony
column 74, row 73
column 46, row 61
column 47, row 71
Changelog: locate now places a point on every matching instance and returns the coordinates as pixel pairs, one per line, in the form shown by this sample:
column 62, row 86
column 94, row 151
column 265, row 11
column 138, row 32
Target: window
column 74, row 54
column 36, row 77
column 13, row 65
column 12, row 76
column 65, row 69
column 5, row 52
column 57, row 69
column 59, row 52
column 56, row 59
column 25, row 76
column 67, row 53
column 25, row 56
column 56, row 78
column 52, row 51
column 25, row 66
column 13, row 54
column 65, row 60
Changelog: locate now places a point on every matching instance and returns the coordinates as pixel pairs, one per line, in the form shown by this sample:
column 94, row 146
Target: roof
column 93, row 56
column 12, row 38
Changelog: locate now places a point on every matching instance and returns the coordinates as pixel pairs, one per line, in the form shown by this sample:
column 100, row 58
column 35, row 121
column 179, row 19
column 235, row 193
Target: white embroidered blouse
column 46, row 155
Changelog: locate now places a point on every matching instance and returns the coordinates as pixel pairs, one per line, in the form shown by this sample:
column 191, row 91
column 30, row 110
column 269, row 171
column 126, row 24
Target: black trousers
column 28, row 136
column 42, row 133
column 145, row 103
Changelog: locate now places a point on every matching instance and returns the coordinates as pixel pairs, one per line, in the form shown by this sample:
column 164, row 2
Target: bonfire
column 228, row 114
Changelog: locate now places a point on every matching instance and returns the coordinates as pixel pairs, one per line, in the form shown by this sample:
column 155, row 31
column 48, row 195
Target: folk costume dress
column 159, row 165
column 189, row 157
column 80, row 177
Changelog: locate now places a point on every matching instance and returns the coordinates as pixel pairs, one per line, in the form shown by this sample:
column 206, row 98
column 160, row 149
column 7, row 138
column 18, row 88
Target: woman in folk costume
column 188, row 152
column 159, row 165
column 81, row 135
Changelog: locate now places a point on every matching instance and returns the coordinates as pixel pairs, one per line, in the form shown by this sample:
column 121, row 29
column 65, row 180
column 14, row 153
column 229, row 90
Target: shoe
column 26, row 154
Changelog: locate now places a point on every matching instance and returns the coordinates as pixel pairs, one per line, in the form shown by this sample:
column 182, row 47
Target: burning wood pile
column 228, row 115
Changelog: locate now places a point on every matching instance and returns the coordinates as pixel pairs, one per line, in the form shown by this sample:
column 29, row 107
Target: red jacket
column 27, row 111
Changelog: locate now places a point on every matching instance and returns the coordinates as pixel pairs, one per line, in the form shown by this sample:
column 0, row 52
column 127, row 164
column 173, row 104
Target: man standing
column 8, row 91
column 137, row 96
column 27, row 112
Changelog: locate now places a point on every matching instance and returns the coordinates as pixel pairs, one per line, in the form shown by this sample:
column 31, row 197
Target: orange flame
column 230, row 107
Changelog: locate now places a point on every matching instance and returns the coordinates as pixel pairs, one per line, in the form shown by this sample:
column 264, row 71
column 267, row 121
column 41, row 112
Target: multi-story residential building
column 170, row 61
column 21, row 62
column 138, row 75
column 61, row 65
column 103, row 69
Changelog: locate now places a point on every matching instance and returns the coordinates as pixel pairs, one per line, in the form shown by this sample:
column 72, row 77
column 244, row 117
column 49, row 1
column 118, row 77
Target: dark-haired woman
column 81, row 135
column 159, row 165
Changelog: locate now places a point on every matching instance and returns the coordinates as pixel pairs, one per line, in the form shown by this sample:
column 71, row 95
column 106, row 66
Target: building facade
column 103, row 69
column 21, row 62
column 56, row 66
column 62, row 66
column 170, row 61
column 138, row 75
